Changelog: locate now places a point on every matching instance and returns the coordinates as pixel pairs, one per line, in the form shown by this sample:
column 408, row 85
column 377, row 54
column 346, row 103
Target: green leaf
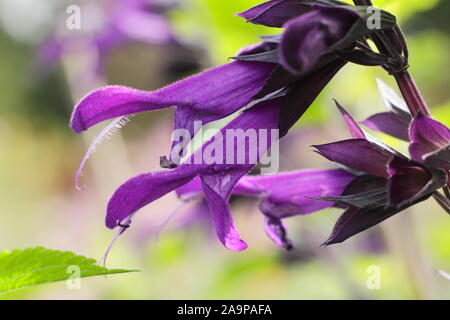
column 33, row 266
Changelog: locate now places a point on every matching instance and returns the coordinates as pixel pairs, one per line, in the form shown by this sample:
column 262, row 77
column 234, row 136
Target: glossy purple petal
column 428, row 138
column 144, row 189
column 312, row 35
column 217, row 192
column 304, row 92
column 279, row 199
column 282, row 199
column 358, row 154
column 353, row 127
column 276, row 12
column 389, row 123
column 208, row 96
column 409, row 181
column 355, row 220
column 276, row 231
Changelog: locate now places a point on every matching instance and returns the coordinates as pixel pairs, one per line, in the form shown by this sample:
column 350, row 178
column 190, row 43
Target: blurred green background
column 39, row 156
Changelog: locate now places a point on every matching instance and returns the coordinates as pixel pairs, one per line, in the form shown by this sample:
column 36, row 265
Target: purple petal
column 364, row 183
column 275, row 13
column 410, row 181
column 389, row 123
column 276, row 231
column 305, row 92
column 217, row 192
column 355, row 220
column 428, row 136
column 208, row 96
column 357, row 154
column 311, row 35
column 355, row 130
column 144, row 189
column 282, row 200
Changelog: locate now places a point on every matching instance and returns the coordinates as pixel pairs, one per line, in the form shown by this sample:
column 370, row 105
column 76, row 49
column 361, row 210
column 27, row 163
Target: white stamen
column 105, row 134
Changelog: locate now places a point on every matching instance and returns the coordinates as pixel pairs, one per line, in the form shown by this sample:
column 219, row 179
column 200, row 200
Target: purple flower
column 314, row 29
column 105, row 25
column 268, row 96
column 387, row 181
column 209, row 96
column 430, row 142
column 283, row 195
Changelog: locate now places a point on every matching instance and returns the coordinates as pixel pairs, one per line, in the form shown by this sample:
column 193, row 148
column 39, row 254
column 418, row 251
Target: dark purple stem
column 405, row 82
column 411, row 93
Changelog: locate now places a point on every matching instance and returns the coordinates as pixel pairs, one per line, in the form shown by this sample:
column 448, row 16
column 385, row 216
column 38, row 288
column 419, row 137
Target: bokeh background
column 178, row 254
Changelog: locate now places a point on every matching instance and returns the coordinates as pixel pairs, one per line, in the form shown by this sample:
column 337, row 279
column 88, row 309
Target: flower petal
column 144, row 189
column 311, row 35
column 389, row 123
column 355, row 130
column 428, row 137
column 275, row 13
column 276, row 231
column 282, row 200
column 355, row 220
column 217, row 192
column 410, row 181
column 304, row 92
column 358, row 154
column 209, row 96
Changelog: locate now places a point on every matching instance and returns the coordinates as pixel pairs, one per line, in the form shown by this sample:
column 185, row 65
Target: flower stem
column 411, row 93
column 406, row 84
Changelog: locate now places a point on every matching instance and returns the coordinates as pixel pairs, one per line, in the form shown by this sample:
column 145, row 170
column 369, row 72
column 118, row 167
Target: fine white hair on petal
column 105, row 134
